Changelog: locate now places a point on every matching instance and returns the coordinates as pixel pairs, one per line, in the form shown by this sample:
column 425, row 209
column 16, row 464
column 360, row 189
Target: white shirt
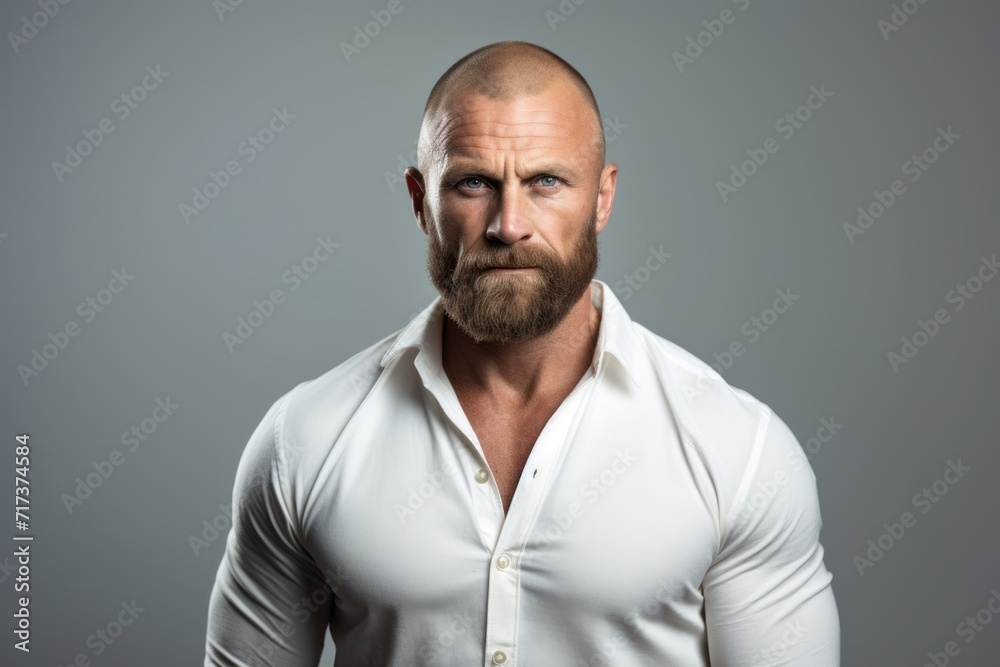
column 663, row 517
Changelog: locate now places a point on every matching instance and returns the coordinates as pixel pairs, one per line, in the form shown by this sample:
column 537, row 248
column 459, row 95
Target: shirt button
column 503, row 562
column 482, row 476
column 499, row 658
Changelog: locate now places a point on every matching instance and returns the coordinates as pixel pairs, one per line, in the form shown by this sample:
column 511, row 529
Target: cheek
column 461, row 221
column 457, row 210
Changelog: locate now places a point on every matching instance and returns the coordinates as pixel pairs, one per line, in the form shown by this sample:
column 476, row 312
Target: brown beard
column 497, row 308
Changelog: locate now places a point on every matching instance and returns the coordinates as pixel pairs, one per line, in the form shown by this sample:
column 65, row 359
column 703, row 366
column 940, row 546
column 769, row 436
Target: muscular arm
column 258, row 614
column 768, row 599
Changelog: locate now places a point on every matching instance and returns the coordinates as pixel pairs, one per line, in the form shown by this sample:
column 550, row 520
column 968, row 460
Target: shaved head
column 512, row 191
column 503, row 71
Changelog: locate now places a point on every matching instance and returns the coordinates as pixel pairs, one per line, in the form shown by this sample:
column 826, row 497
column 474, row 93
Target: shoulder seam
column 752, row 465
column 279, row 451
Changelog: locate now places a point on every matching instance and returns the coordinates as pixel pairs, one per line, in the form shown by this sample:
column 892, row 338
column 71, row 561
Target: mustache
column 507, row 258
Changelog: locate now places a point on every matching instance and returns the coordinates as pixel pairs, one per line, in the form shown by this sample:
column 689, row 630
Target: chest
column 396, row 516
column 616, row 526
column 507, row 438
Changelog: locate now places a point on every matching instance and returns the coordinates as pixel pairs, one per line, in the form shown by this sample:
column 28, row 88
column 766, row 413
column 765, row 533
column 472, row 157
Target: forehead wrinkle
column 511, row 114
column 479, row 152
column 474, row 156
column 499, row 117
column 507, row 137
column 505, row 129
column 490, row 128
column 518, row 142
column 487, row 141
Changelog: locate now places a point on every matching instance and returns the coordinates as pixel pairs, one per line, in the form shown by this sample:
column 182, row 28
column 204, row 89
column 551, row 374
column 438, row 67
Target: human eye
column 472, row 183
column 548, row 181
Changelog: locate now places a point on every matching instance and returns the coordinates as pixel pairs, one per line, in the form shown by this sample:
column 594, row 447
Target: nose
column 511, row 223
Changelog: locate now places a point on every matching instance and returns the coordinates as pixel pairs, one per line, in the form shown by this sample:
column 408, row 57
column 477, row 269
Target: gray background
column 678, row 132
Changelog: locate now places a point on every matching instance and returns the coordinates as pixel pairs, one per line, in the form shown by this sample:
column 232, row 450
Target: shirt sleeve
column 768, row 599
column 270, row 604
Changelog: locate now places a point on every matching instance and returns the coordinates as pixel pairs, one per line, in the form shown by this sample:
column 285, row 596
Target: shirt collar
column 616, row 335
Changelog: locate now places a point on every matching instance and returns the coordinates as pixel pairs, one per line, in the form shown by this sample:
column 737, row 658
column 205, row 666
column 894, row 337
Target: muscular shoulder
column 738, row 439
column 311, row 416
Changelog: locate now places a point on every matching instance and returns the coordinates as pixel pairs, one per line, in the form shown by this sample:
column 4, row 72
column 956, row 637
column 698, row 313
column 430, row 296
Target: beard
column 508, row 308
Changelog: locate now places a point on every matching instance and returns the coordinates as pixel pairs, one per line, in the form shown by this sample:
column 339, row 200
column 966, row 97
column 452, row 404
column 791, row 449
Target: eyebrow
column 462, row 171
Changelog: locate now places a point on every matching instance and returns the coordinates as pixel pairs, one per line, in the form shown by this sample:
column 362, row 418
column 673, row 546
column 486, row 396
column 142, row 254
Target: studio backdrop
column 203, row 206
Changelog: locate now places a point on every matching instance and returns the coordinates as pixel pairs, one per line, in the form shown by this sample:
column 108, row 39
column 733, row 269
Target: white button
column 503, row 562
column 499, row 658
column 482, row 475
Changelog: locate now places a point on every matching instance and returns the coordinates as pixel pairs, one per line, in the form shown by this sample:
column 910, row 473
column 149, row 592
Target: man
column 522, row 475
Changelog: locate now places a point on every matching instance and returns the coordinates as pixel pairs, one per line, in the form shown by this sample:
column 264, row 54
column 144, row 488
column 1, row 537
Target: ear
column 606, row 194
column 415, row 186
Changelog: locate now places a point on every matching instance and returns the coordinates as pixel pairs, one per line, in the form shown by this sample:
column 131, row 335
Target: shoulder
column 301, row 427
column 312, row 414
column 712, row 413
column 337, row 392
column 285, row 452
column 740, row 441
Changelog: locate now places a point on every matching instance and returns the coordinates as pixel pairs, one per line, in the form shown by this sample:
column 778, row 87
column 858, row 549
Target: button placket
column 504, row 579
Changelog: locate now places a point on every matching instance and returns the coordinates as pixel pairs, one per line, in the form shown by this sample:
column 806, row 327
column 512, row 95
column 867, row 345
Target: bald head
column 504, row 71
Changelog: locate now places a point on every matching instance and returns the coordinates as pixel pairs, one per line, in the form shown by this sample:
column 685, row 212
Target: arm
column 258, row 613
column 768, row 599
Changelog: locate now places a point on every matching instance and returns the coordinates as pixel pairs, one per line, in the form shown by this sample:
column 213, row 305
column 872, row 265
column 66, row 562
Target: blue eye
column 474, row 179
column 543, row 180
